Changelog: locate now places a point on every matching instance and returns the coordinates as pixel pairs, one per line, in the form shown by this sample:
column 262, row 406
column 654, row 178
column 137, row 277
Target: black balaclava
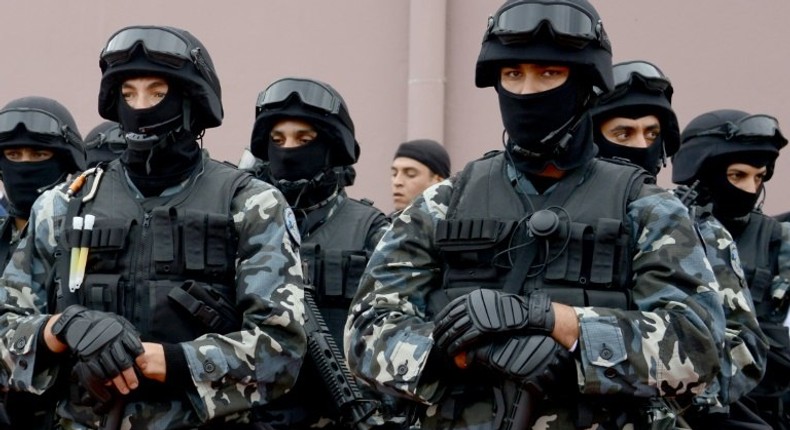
column 545, row 128
column 304, row 174
column 161, row 152
column 25, row 181
column 303, row 162
column 647, row 158
column 731, row 203
column 308, row 175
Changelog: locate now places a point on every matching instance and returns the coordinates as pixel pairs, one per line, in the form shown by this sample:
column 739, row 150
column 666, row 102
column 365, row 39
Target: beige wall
column 718, row 53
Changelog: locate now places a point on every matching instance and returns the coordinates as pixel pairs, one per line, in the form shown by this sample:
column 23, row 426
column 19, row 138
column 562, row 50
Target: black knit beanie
column 428, row 152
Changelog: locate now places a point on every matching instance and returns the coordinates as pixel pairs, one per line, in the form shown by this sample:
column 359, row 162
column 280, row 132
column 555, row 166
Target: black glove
column 106, row 343
column 466, row 320
column 537, row 362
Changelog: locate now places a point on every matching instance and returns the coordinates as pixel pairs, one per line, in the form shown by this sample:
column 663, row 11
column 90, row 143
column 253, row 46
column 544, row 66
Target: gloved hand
column 468, row 319
column 537, row 362
column 105, row 343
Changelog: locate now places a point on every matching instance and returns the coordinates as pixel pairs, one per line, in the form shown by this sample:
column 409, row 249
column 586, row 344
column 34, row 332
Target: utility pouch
column 102, row 292
column 109, row 238
column 469, row 248
column 182, row 311
column 208, row 306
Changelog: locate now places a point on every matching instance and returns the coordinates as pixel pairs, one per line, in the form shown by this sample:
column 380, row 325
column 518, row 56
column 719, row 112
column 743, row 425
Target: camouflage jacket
column 230, row 373
column 743, row 363
column 669, row 347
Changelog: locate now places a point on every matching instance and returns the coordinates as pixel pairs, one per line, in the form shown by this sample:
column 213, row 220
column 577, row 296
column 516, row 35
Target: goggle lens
column 34, row 121
column 310, row 93
column 569, row 25
column 160, row 45
column 752, row 126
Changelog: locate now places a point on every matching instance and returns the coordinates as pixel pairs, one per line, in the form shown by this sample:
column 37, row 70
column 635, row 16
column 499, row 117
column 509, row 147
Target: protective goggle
column 750, row 127
column 310, row 93
column 569, row 25
column 160, row 45
column 650, row 76
column 34, row 121
column 114, row 139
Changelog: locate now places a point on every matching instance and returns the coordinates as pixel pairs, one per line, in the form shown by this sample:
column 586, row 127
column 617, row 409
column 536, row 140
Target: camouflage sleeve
column 23, row 298
column 388, row 337
column 743, row 361
column 235, row 371
column 376, row 232
column 669, row 345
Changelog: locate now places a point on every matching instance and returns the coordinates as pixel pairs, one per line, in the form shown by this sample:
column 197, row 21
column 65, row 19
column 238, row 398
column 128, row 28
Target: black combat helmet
column 311, row 100
column 640, row 89
column 104, row 143
column 50, row 123
column 169, row 52
column 723, row 133
column 575, row 36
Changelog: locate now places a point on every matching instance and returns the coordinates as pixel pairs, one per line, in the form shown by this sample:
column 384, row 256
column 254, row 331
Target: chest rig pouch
column 167, row 263
column 758, row 248
column 336, row 255
column 574, row 244
column 336, row 252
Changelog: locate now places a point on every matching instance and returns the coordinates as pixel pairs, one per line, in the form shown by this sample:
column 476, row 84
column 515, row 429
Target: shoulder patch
column 292, row 226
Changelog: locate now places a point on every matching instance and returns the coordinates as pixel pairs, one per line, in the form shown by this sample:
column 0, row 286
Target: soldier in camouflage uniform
column 41, row 147
column 541, row 285
column 730, row 154
column 191, row 301
column 635, row 123
column 303, row 143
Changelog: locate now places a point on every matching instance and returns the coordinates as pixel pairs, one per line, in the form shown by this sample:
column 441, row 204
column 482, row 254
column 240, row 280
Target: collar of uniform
column 169, row 191
column 309, row 221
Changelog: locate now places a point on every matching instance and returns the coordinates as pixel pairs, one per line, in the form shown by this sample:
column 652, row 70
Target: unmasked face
column 409, row 179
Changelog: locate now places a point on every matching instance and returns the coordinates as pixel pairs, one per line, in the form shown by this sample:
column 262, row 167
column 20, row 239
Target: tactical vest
column 167, row 264
column 490, row 239
column 336, row 256
column 758, row 248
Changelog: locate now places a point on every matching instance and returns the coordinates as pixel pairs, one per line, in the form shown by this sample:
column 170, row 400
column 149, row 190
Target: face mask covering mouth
column 729, row 201
column 647, row 158
column 25, row 181
column 302, row 162
column 535, row 122
column 157, row 120
column 550, row 128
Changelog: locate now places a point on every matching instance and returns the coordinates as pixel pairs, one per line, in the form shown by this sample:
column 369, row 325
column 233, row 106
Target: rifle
column 687, row 194
column 354, row 407
column 112, row 420
column 514, row 406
